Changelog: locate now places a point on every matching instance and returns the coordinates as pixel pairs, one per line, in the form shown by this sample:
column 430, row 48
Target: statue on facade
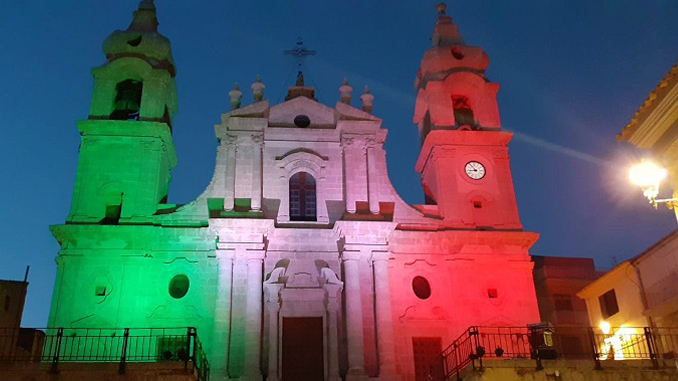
column 345, row 91
column 367, row 100
column 236, row 96
column 258, row 89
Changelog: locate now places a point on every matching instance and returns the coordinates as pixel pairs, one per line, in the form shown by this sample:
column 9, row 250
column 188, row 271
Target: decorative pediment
column 348, row 112
column 283, row 114
column 254, row 110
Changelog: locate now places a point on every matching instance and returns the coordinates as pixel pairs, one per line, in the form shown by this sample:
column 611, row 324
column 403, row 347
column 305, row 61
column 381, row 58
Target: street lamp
column 648, row 176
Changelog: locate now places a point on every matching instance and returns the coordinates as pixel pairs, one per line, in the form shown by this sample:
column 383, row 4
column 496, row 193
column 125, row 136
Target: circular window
column 421, row 287
column 302, row 121
column 178, row 286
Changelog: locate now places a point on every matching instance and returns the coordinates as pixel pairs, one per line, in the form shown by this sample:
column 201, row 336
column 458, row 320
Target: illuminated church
column 299, row 261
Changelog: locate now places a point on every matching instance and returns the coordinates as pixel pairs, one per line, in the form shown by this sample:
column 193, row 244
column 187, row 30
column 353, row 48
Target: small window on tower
column 127, row 100
column 8, row 302
column 112, row 216
column 477, row 204
column 492, row 293
column 99, row 290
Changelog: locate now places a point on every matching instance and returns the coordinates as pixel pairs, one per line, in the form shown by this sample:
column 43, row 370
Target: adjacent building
column 655, row 126
column 557, row 281
column 640, row 292
column 299, row 260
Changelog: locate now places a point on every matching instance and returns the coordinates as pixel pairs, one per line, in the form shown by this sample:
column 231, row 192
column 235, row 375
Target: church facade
column 299, row 260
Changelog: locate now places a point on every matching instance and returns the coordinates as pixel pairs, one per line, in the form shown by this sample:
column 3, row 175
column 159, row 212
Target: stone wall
column 28, row 371
column 570, row 370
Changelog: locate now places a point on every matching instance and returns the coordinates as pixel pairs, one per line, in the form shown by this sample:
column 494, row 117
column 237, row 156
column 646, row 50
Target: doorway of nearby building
column 428, row 360
column 302, row 349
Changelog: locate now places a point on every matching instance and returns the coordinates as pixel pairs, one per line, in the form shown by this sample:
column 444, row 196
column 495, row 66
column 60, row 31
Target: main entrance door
column 428, row 360
column 302, row 349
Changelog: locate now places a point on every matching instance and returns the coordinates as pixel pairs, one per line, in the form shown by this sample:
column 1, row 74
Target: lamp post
column 649, row 176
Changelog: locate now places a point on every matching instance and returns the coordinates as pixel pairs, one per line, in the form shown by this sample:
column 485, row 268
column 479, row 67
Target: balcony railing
column 115, row 345
column 624, row 343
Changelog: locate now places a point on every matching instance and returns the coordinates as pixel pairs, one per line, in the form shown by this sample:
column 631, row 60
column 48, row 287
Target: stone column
column 349, row 175
column 354, row 316
column 257, row 170
column 222, row 315
column 273, row 304
column 333, row 303
column 253, row 315
column 385, row 339
column 372, row 178
column 231, row 153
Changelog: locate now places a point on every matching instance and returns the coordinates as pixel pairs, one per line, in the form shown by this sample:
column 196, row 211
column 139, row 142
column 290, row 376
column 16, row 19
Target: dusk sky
column 572, row 74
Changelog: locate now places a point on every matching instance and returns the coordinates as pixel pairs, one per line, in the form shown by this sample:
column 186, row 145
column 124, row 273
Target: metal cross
column 299, row 52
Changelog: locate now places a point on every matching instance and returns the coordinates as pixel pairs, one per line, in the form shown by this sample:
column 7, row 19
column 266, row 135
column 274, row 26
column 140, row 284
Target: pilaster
column 354, row 316
column 222, row 315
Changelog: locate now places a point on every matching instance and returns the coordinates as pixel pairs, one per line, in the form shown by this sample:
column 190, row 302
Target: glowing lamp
column 605, row 327
column 649, row 176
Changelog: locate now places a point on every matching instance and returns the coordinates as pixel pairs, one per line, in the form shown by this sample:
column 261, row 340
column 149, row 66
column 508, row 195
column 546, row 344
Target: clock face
column 475, row 170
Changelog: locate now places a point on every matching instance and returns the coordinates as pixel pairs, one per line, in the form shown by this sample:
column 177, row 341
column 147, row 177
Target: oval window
column 421, row 287
column 302, row 121
column 178, row 286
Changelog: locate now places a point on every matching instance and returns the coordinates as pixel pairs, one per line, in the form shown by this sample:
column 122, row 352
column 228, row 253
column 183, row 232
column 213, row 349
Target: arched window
column 302, row 197
column 127, row 100
column 463, row 113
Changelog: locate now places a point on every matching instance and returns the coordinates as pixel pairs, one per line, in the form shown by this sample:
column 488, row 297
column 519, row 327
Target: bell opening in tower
column 127, row 100
column 463, row 113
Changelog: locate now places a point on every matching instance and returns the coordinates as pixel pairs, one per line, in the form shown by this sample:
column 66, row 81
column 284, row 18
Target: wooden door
column 428, row 360
column 302, row 349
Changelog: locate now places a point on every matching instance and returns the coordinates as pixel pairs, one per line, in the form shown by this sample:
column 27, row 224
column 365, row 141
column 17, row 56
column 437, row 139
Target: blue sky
column 572, row 74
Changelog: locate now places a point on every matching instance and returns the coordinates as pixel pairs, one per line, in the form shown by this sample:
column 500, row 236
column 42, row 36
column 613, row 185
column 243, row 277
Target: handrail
column 547, row 342
column 55, row 345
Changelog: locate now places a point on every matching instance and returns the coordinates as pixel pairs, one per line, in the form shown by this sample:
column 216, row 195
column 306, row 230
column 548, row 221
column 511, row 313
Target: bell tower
column 464, row 162
column 126, row 150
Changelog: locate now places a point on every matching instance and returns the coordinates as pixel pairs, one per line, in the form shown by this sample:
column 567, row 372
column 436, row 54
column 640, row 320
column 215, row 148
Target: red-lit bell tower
column 464, row 162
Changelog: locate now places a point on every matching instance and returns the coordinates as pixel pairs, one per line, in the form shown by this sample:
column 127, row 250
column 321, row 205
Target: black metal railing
column 545, row 343
column 100, row 345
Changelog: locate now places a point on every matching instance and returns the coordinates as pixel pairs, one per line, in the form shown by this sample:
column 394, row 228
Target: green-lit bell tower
column 126, row 150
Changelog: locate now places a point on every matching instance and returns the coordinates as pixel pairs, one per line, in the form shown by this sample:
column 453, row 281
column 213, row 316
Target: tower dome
column 141, row 39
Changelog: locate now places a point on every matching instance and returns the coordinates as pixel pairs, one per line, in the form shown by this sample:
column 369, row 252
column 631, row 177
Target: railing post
column 123, row 357
column 480, row 358
column 189, row 356
column 651, row 347
column 57, row 351
column 457, row 363
column 594, row 347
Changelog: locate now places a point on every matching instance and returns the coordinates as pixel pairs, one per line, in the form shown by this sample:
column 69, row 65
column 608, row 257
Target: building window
column 563, row 302
column 127, row 100
column 178, row 286
column 608, row 304
column 302, row 197
column 421, row 287
column 492, row 293
column 8, row 302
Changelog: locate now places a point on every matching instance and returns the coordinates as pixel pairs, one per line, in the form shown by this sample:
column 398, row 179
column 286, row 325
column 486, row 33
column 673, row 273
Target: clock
column 474, row 170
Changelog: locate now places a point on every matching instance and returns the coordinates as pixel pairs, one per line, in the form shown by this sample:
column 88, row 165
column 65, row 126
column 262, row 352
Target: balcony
column 53, row 350
column 659, row 346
